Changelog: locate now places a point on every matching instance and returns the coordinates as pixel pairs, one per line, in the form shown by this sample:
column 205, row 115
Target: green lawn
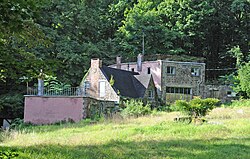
column 226, row 135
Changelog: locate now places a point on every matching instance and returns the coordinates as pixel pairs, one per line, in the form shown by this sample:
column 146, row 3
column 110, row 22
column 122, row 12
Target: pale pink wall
column 47, row 110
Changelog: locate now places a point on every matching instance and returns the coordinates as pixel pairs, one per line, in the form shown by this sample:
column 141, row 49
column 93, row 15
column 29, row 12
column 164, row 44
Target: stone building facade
column 96, row 85
column 182, row 80
column 173, row 79
column 109, row 84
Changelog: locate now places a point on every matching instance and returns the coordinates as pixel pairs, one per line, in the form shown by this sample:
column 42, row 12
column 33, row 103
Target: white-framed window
column 150, row 94
column 195, row 71
column 170, row 70
column 102, row 88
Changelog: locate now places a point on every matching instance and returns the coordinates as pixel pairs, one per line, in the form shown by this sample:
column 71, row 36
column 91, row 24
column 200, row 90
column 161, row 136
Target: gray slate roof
column 126, row 82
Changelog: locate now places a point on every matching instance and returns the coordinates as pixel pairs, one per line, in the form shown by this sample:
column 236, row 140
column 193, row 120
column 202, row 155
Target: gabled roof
column 144, row 82
column 126, row 82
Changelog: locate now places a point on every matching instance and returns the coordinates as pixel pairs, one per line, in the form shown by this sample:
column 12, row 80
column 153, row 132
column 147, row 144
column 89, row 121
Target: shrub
column 197, row 107
column 136, row 108
column 12, row 104
column 19, row 124
column 8, row 154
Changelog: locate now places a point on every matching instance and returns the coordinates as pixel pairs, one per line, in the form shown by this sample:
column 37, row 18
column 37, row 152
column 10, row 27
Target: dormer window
column 170, row 70
column 195, row 71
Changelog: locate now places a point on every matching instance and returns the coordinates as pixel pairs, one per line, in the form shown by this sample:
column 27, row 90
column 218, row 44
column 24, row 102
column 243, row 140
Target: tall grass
column 238, row 103
column 155, row 136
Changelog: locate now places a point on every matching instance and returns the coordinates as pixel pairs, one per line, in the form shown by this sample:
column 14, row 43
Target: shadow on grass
column 202, row 149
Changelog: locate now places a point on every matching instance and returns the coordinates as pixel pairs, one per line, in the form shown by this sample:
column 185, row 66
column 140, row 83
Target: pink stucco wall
column 47, row 110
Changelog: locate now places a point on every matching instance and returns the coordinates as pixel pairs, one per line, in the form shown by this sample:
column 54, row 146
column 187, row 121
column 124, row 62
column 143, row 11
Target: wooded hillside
column 62, row 36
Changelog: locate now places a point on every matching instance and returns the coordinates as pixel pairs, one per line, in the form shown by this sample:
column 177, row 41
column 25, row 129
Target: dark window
column 178, row 90
column 87, row 84
column 195, row 71
column 150, row 94
column 170, row 70
column 168, row 90
column 148, row 70
column 132, row 69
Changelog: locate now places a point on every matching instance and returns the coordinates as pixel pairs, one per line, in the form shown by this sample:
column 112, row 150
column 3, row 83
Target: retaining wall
column 48, row 110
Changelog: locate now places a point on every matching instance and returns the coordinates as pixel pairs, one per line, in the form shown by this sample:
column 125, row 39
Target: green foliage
column 243, row 77
column 18, row 124
column 12, row 105
column 62, row 36
column 53, row 84
column 238, row 103
column 196, row 107
column 8, row 154
column 136, row 108
column 236, row 53
column 111, row 81
column 146, row 137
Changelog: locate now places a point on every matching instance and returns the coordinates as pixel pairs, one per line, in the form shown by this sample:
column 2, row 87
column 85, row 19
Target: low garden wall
column 52, row 109
column 48, row 110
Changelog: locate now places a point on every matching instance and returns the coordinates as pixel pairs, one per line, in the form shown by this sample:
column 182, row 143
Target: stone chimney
column 118, row 62
column 96, row 63
column 139, row 62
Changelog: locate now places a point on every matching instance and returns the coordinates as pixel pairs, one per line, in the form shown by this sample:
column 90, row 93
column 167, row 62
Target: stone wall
column 95, row 108
column 92, row 79
column 222, row 92
column 183, row 78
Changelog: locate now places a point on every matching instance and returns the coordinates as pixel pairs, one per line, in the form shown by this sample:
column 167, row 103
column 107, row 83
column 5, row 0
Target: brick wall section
column 48, row 110
column 183, row 77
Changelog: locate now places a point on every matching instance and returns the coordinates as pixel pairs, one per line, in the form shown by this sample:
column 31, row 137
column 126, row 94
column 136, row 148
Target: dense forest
column 61, row 37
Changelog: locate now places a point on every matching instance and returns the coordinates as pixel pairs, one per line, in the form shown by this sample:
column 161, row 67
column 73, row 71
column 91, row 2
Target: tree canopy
column 61, row 37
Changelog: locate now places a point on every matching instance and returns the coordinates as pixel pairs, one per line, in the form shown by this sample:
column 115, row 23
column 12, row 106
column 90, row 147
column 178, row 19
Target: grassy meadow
column 225, row 135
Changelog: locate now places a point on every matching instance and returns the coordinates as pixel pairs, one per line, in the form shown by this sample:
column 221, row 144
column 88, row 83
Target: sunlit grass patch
column 152, row 136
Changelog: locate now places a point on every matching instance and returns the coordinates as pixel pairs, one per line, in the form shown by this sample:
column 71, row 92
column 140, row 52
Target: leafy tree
column 17, row 28
column 136, row 108
column 197, row 107
column 243, row 77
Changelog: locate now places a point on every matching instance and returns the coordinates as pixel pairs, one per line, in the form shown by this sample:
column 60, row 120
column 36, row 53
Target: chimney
column 96, row 63
column 118, row 62
column 139, row 62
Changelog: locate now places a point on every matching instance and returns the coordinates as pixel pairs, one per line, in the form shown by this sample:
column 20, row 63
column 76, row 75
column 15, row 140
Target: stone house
column 109, row 84
column 173, row 79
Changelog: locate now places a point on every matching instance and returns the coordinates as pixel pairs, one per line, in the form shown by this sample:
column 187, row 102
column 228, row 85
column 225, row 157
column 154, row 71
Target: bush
column 136, row 108
column 19, row 124
column 8, row 154
column 238, row 103
column 12, row 104
column 197, row 107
